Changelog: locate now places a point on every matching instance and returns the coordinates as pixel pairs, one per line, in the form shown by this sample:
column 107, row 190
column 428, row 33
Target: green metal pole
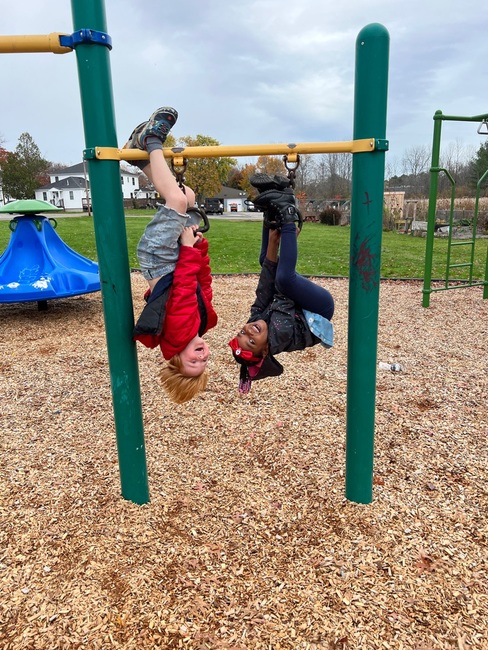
column 434, row 179
column 370, row 102
column 111, row 240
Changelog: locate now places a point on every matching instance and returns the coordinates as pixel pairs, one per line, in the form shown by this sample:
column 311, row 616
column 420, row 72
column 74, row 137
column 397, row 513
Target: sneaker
column 159, row 125
column 132, row 141
column 264, row 182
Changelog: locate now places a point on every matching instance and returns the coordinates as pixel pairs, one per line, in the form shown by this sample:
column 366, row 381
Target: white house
column 69, row 188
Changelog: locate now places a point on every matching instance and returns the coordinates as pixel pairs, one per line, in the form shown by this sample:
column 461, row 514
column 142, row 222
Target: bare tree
column 416, row 160
column 391, row 166
column 415, row 165
column 305, row 173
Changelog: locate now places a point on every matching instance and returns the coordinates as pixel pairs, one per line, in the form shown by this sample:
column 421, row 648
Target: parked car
column 250, row 206
column 213, row 206
column 233, row 207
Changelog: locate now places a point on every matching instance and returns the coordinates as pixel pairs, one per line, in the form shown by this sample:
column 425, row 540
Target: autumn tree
column 24, row 170
column 246, row 172
column 270, row 165
column 205, row 175
column 3, row 156
column 235, row 178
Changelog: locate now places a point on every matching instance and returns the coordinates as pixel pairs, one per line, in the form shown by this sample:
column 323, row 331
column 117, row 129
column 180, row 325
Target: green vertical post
column 370, row 102
column 434, row 179
column 111, row 240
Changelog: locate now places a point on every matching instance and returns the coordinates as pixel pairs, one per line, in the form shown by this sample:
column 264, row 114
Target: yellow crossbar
column 219, row 151
column 33, row 43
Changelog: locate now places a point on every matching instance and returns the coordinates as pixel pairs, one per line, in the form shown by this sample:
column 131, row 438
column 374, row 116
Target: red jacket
column 182, row 319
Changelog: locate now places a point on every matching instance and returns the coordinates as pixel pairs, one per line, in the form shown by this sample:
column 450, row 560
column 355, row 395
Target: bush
column 483, row 222
column 330, row 217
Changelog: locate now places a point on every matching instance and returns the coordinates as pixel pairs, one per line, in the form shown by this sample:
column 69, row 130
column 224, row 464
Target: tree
column 479, row 164
column 246, row 172
column 305, row 173
column 416, row 163
column 205, row 175
column 3, row 156
column 235, row 178
column 270, row 165
column 24, row 170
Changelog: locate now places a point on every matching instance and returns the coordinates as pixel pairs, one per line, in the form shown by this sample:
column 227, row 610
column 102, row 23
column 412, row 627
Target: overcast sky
column 251, row 72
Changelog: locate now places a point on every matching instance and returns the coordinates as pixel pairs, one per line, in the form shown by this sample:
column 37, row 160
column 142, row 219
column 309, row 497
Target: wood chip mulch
column 248, row 542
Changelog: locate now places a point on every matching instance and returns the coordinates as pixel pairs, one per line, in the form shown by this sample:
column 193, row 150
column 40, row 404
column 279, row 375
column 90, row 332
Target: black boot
column 279, row 207
column 264, row 182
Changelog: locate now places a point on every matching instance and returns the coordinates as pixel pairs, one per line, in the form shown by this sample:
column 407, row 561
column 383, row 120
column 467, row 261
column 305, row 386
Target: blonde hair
column 181, row 389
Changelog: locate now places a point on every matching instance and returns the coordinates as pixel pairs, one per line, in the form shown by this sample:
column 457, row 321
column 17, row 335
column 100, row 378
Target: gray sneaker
column 159, row 125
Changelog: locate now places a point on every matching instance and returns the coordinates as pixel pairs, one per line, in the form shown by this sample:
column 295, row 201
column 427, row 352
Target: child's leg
column 299, row 289
column 150, row 136
column 165, row 183
column 158, row 248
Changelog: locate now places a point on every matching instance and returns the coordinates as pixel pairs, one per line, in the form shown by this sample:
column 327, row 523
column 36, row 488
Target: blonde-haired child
column 174, row 260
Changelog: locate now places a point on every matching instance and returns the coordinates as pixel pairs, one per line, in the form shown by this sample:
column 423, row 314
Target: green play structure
column 467, row 244
column 92, row 46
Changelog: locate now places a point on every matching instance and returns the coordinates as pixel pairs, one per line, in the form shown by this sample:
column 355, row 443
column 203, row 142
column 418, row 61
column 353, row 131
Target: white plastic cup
column 392, row 367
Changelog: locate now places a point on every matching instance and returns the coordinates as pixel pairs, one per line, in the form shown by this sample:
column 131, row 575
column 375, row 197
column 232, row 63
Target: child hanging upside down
column 290, row 312
column 174, row 260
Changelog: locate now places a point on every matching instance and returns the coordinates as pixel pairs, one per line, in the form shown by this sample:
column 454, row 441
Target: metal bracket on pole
column 109, row 153
column 382, row 145
column 86, row 37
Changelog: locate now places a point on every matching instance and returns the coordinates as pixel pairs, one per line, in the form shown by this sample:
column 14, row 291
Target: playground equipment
column 37, row 265
column 469, row 244
column 92, row 47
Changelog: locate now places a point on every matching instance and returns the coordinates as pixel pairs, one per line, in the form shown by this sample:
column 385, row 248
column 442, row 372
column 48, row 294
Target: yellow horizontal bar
column 33, row 43
column 219, row 151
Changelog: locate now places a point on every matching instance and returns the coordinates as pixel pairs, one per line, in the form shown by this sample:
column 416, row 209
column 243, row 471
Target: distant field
column 323, row 250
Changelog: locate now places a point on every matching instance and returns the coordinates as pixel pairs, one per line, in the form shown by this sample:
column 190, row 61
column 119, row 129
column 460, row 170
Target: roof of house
column 230, row 193
column 70, row 183
column 78, row 170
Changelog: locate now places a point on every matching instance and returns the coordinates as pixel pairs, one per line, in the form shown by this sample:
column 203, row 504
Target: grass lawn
column 323, row 250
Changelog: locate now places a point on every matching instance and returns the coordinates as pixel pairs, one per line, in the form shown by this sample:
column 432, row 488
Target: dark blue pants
column 291, row 284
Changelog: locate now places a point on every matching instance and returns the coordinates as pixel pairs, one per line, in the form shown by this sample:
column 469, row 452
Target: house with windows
column 69, row 188
column 233, row 200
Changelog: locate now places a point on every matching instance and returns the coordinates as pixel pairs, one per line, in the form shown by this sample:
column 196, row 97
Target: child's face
column 194, row 357
column 254, row 337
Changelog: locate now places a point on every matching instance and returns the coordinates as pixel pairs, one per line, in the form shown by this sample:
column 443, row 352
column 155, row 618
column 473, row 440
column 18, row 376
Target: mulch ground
column 248, row 541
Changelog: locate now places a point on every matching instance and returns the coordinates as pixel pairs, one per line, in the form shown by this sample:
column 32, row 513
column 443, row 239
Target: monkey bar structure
column 92, row 45
column 467, row 244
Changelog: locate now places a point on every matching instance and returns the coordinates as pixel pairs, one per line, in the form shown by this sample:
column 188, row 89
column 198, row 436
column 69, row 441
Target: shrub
column 330, row 217
column 483, row 222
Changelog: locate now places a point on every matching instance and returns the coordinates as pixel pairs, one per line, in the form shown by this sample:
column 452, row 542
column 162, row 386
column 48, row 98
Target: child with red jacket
column 174, row 260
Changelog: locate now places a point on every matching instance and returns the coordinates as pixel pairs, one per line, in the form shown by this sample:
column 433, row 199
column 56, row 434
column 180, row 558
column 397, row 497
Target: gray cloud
column 261, row 71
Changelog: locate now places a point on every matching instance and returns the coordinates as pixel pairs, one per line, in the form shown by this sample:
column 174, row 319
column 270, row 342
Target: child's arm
column 182, row 316
column 273, row 245
column 266, row 288
column 204, row 274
